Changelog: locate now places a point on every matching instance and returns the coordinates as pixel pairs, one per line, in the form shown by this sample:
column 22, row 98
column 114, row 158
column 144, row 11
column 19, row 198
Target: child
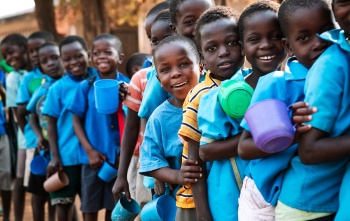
column 51, row 65
column 183, row 14
column 64, row 144
column 260, row 36
column 261, row 187
column 26, row 89
column 311, row 184
column 160, row 29
column 13, row 49
column 177, row 64
column 134, row 63
column 97, row 133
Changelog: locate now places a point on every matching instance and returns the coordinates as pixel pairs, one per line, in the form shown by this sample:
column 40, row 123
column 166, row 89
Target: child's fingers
column 300, row 104
column 301, row 119
column 191, row 168
column 305, row 111
column 189, row 162
column 303, row 128
column 190, row 180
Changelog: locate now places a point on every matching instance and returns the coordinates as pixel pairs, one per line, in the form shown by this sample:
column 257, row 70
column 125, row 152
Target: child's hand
column 159, row 187
column 96, row 159
column 54, row 166
column 123, row 91
column 121, row 185
column 189, row 172
column 301, row 114
column 42, row 143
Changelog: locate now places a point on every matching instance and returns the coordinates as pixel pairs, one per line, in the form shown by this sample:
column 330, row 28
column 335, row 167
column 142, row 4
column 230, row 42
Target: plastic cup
column 124, row 210
column 161, row 208
column 56, row 182
column 234, row 97
column 34, row 84
column 107, row 172
column 106, row 96
column 270, row 125
column 39, row 164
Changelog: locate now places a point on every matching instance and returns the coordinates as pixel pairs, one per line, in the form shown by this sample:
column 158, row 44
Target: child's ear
column 159, row 80
column 242, row 49
column 173, row 28
column 121, row 58
column 286, row 45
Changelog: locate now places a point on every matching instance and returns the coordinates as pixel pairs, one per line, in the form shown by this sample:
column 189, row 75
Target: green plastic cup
column 34, row 84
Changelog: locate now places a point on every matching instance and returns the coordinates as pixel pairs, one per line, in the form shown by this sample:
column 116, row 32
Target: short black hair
column 135, row 59
column 174, row 9
column 289, row 7
column 211, row 15
column 106, row 36
column 47, row 44
column 158, row 7
column 255, row 7
column 73, row 38
column 163, row 15
column 15, row 39
column 47, row 36
column 190, row 45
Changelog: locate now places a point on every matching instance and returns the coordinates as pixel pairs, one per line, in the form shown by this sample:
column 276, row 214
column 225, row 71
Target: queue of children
column 176, row 130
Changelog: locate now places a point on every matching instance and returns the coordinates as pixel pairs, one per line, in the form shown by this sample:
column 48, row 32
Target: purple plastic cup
column 270, row 125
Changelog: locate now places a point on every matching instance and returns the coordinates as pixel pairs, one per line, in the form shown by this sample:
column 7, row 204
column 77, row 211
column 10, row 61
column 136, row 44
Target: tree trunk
column 95, row 18
column 45, row 15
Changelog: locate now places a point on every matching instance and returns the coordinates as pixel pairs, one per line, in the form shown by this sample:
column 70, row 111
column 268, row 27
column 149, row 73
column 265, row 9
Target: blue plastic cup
column 107, row 172
column 107, row 96
column 161, row 208
column 125, row 210
column 39, row 164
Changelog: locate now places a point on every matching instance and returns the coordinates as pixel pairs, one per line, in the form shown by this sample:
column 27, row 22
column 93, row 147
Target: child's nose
column 265, row 44
column 223, row 51
column 176, row 73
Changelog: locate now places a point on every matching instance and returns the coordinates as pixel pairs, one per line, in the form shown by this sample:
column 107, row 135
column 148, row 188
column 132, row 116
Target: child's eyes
column 164, row 70
column 210, row 48
column 155, row 42
column 184, row 64
column 303, row 38
column 95, row 53
column 189, row 22
column 253, row 39
column 232, row 43
column 277, row 37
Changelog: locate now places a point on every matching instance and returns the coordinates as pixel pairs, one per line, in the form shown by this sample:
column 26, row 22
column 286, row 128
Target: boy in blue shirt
column 98, row 133
column 64, row 144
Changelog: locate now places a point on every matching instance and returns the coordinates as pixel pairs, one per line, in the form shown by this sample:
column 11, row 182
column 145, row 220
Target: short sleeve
column 11, row 89
column 53, row 104
column 135, row 90
column 79, row 103
column 23, row 95
column 31, row 106
column 152, row 155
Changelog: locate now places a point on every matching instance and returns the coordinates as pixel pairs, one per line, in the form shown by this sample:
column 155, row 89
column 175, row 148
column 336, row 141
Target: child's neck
column 108, row 75
column 176, row 102
column 253, row 78
column 220, row 78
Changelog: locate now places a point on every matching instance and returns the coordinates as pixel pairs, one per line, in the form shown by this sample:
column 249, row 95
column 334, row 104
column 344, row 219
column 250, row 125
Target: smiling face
column 159, row 31
column 341, row 10
column 301, row 39
column 177, row 69
column 33, row 46
column 105, row 56
column 262, row 42
column 221, row 52
column 188, row 14
column 50, row 61
column 14, row 55
column 75, row 58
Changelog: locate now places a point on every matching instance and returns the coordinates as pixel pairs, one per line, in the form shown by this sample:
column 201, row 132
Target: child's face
column 14, row 55
column 177, row 69
column 301, row 39
column 105, row 56
column 220, row 48
column 188, row 14
column 159, row 31
column 75, row 58
column 148, row 24
column 262, row 42
column 341, row 10
column 50, row 61
column 33, row 46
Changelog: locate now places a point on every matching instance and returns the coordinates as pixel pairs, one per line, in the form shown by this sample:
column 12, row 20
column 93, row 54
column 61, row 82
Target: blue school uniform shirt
column 315, row 188
column 215, row 124
column 57, row 102
column 23, row 97
column 287, row 86
column 2, row 109
column 161, row 146
column 101, row 129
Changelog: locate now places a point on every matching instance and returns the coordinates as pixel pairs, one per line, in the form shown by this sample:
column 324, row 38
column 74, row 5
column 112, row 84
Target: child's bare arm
column 247, row 149
column 130, row 135
column 21, row 116
column 55, row 163
column 199, row 189
column 95, row 158
column 34, row 123
column 220, row 149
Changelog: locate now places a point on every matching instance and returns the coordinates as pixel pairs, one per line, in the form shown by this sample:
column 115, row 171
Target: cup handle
column 42, row 153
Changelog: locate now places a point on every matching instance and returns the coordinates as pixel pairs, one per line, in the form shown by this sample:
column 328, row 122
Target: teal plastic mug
column 125, row 210
column 107, row 96
column 107, row 172
column 161, row 208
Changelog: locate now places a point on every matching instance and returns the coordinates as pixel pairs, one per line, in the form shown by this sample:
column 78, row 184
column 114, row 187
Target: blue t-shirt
column 101, row 129
column 161, row 146
column 287, row 86
column 316, row 187
column 215, row 124
column 23, row 96
column 2, row 110
column 58, row 98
